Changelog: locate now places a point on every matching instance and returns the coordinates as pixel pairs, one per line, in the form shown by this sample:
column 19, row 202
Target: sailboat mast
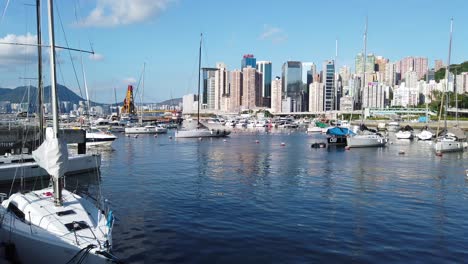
column 39, row 72
column 199, row 69
column 447, row 74
column 57, row 183
column 364, row 73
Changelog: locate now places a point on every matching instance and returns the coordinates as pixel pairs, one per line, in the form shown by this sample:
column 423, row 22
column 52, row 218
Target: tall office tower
column 276, row 95
column 370, row 63
column 359, row 64
column 235, row 89
column 345, row 73
column 390, row 74
column 220, row 84
column 316, row 97
column 265, row 68
column 251, row 95
column 329, row 84
column 292, row 84
column 308, row 69
column 438, row 64
column 209, row 88
column 248, row 60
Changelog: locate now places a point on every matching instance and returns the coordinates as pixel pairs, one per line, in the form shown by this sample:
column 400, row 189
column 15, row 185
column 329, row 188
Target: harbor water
column 271, row 198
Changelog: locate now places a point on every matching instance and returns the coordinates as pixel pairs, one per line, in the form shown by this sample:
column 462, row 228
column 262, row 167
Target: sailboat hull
column 32, row 249
column 197, row 133
column 450, row 146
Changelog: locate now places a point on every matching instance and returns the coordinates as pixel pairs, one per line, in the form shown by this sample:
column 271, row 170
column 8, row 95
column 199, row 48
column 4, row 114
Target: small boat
column 425, row 134
column 451, row 140
column 97, row 137
column 366, row 138
column 405, row 133
column 338, row 135
column 148, row 129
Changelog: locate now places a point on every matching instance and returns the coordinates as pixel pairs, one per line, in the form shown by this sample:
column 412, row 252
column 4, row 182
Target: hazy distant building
column 374, row 95
column 5, row 107
column 438, row 64
column 264, row 67
column 276, row 95
column 417, row 64
column 292, row 84
column 359, row 63
column 248, row 60
column 347, row 103
column 411, row 79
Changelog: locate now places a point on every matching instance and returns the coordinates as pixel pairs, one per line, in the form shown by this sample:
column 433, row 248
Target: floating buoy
column 224, row 140
column 466, row 172
column 200, row 138
column 439, row 154
column 347, row 148
column 283, row 144
column 322, row 145
column 135, row 136
column 128, row 135
column 155, row 136
column 170, row 137
column 401, row 152
column 257, row 141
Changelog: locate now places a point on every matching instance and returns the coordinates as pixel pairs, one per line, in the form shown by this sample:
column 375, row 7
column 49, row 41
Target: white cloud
column 96, row 57
column 13, row 55
column 129, row 80
column 108, row 13
column 274, row 34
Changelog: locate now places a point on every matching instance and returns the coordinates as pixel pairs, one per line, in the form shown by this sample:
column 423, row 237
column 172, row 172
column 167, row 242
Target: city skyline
column 164, row 34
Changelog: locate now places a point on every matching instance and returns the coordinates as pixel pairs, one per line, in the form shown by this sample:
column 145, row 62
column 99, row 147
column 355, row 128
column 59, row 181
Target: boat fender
column 110, row 219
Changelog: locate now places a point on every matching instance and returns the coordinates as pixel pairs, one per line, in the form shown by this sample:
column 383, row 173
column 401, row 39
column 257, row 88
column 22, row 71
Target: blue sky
column 164, row 34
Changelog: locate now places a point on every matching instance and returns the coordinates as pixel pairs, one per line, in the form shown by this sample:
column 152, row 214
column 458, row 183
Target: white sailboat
column 201, row 130
column 53, row 225
column 449, row 140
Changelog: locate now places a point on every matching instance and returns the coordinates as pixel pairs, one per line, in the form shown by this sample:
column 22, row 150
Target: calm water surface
column 236, row 201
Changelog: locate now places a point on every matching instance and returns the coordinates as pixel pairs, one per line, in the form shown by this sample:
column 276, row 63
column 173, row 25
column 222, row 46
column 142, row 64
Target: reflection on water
column 236, row 200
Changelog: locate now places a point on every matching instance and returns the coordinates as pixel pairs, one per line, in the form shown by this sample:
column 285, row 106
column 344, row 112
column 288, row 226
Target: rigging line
column 68, row 46
column 77, row 16
column 4, row 11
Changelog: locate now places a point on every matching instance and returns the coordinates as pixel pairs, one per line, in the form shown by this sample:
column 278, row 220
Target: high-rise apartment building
column 221, row 87
column 248, row 60
column 316, row 97
column 359, row 63
column 251, row 87
column 209, row 88
column 292, row 83
column 235, row 90
column 276, row 95
column 328, row 78
column 264, row 67
column 417, row 64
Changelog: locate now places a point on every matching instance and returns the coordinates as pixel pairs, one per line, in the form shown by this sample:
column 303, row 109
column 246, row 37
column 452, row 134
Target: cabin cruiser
column 366, row 138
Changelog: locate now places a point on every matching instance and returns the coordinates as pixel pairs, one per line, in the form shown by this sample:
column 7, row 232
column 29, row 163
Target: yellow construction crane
column 128, row 105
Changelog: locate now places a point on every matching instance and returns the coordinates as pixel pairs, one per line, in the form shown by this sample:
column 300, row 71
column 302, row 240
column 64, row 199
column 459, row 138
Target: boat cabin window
column 22, row 160
column 15, row 210
column 76, row 225
column 66, row 212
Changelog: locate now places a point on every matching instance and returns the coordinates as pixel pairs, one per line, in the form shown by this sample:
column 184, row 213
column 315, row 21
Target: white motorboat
column 97, row 137
column 24, row 166
column 149, row 129
column 366, row 140
column 425, row 135
column 53, row 225
column 404, row 134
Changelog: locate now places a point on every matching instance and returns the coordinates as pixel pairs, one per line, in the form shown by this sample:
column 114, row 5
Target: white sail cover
column 52, row 155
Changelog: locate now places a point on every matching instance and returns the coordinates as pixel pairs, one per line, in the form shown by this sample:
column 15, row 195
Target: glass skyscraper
column 292, row 83
column 329, row 84
column 265, row 68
